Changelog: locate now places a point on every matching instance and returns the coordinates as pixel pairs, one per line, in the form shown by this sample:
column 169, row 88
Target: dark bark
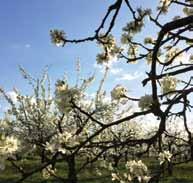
column 43, row 158
column 72, row 175
column 116, row 160
column 160, row 143
column 170, row 168
column 126, row 156
column 191, row 152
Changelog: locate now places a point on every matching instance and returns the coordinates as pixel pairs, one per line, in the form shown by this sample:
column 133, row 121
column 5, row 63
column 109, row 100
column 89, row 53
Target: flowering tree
column 67, row 127
column 72, row 125
column 168, row 56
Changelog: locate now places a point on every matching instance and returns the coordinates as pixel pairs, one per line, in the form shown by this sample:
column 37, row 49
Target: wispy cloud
column 119, row 73
column 20, row 46
column 116, row 71
column 130, row 76
column 27, row 45
column 112, row 69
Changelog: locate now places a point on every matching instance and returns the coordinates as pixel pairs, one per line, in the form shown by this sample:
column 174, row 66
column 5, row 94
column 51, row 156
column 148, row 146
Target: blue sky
column 25, row 40
column 24, row 36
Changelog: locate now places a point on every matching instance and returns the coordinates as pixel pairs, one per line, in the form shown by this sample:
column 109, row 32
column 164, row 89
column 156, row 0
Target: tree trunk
column 126, row 156
column 160, row 143
column 116, row 160
column 191, row 152
column 43, row 158
column 72, row 177
column 170, row 168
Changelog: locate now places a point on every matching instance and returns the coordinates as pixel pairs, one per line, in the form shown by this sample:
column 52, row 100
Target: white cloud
column 116, row 71
column 110, row 64
column 27, row 45
column 20, row 46
column 130, row 76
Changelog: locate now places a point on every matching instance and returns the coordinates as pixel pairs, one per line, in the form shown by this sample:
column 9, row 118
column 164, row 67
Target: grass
column 182, row 173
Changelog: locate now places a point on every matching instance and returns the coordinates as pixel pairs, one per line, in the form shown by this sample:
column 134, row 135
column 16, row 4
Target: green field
column 182, row 173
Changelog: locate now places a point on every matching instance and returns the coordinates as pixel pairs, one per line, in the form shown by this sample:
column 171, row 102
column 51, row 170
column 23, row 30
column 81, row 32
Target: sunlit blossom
column 165, row 156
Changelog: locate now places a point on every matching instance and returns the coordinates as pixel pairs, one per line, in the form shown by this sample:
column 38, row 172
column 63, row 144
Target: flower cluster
column 165, row 156
column 64, row 96
column 149, row 40
column 134, row 27
column 145, row 102
column 118, row 92
column 164, row 5
column 132, row 52
column 110, row 49
column 188, row 11
column 8, row 146
column 57, row 37
column 48, row 171
column 63, row 142
column 168, row 84
column 59, row 142
column 136, row 170
column 172, row 54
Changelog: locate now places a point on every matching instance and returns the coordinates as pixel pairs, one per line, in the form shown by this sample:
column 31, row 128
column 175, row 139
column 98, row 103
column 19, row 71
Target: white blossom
column 134, row 170
column 114, row 176
column 149, row 40
column 48, row 171
column 118, row 92
column 164, row 5
column 8, row 145
column 137, row 168
column 65, row 96
column 110, row 49
column 168, row 84
column 164, row 156
column 173, row 53
column 57, row 37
